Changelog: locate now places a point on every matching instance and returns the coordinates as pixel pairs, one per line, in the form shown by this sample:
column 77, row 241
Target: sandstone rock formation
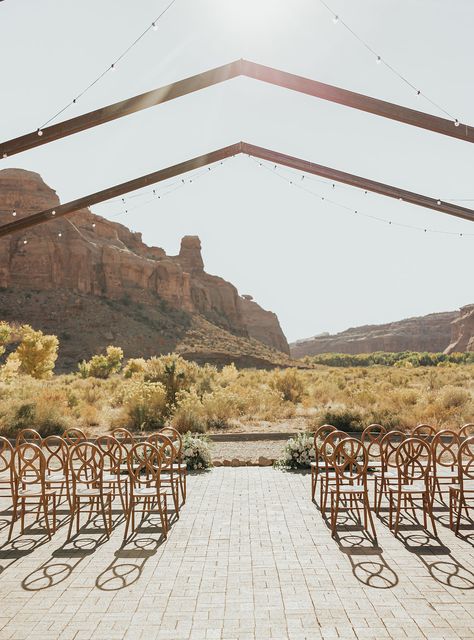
column 426, row 333
column 88, row 255
column 462, row 337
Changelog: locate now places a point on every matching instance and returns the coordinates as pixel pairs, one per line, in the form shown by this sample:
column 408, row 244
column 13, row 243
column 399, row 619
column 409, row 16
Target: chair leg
column 44, row 501
column 459, row 505
column 14, row 517
column 368, row 513
column 397, row 515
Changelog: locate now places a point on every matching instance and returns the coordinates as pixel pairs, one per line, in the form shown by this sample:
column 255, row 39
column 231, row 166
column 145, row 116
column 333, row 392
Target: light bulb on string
column 25, row 241
column 39, row 132
column 5, row 155
column 154, row 26
column 378, row 60
column 456, row 123
column 93, row 225
column 418, row 93
column 335, row 19
column 113, row 67
column 13, row 213
column 60, row 235
column 438, row 202
column 53, row 212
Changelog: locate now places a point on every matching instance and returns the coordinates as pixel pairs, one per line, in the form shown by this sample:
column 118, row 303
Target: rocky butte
column 92, row 281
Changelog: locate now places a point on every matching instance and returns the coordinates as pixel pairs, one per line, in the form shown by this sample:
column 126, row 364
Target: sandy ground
column 247, row 450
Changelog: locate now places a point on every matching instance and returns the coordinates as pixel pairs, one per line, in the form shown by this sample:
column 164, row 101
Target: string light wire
column 112, row 67
column 272, row 169
column 380, row 60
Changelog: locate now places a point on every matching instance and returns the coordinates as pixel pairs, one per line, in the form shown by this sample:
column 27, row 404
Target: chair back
column 411, row 458
column 320, row 434
column 328, row 447
column 56, row 453
column 466, row 461
column 467, row 430
column 28, row 435
column 86, row 464
column 29, row 465
column 350, row 462
column 144, row 463
column 444, row 449
column 113, row 452
column 166, row 448
column 423, row 431
column 371, row 438
column 124, row 435
column 6, row 455
column 388, row 448
column 177, row 440
column 74, row 435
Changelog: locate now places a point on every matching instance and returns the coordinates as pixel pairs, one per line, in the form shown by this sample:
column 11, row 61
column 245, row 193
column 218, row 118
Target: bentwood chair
column 86, row 464
column 73, row 436
column 113, row 454
column 350, row 464
column 371, row 438
column 127, row 441
column 29, row 478
column 412, row 482
column 388, row 471
column 144, row 470
column 424, row 431
column 179, row 467
column 328, row 475
column 6, row 470
column 317, row 466
column 169, row 477
column 444, row 455
column 460, row 493
column 467, row 430
column 28, row 435
column 56, row 453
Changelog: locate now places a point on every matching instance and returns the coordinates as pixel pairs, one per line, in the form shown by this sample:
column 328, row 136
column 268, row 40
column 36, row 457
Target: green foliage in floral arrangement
column 298, row 453
column 196, row 451
column 102, row 366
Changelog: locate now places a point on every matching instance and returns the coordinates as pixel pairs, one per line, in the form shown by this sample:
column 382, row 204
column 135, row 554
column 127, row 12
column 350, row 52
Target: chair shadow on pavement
column 137, row 549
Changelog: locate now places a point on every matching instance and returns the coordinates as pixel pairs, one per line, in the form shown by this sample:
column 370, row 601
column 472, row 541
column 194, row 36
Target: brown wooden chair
column 328, row 475
column 169, row 477
column 424, row 431
column 144, row 470
column 179, row 466
column 56, row 453
column 86, row 464
column 444, row 456
column 114, row 453
column 412, row 482
column 29, row 478
column 28, row 435
column 371, row 439
column 6, row 470
column 73, row 436
column 127, row 441
column 388, row 471
column 317, row 465
column 467, row 430
column 350, row 465
column 461, row 492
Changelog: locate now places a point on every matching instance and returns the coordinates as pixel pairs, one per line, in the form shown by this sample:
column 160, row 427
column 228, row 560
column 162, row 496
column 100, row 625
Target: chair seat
column 375, row 464
column 444, row 473
column 409, row 488
column 55, row 477
column 35, row 492
column 113, row 477
column 456, row 487
column 5, row 477
column 90, row 493
column 146, row 491
column 389, row 475
column 177, row 467
column 320, row 465
column 352, row 488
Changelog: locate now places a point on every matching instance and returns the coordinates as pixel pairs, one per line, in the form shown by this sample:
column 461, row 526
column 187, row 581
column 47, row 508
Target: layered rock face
column 90, row 255
column 462, row 338
column 263, row 325
column 430, row 333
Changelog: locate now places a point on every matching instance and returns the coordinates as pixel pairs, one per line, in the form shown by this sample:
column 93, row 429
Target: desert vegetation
column 144, row 395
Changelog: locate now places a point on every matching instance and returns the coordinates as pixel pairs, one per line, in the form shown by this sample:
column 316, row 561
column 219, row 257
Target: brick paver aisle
column 250, row 557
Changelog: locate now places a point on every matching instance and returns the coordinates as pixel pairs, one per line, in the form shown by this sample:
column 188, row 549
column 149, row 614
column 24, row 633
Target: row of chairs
column 85, row 473
column 404, row 468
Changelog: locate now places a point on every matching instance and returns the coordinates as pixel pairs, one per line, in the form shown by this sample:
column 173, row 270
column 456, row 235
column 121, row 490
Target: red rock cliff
column 462, row 336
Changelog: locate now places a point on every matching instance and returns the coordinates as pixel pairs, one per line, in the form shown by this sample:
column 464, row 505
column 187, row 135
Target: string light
column 13, row 213
column 25, row 241
column 39, row 132
column 301, row 186
column 153, row 26
column 53, row 212
column 380, row 60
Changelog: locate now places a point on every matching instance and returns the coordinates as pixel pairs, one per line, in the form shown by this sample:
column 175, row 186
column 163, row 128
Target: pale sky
column 318, row 267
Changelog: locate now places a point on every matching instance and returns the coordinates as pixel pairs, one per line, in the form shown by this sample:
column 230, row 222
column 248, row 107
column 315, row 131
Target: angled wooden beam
column 214, row 156
column 226, row 72
column 119, row 189
column 357, row 181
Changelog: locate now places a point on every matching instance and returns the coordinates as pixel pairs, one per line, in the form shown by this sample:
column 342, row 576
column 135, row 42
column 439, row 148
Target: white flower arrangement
column 298, row 453
column 196, row 451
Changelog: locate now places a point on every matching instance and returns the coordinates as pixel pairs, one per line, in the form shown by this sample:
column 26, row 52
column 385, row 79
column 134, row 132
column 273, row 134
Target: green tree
column 102, row 365
column 37, row 353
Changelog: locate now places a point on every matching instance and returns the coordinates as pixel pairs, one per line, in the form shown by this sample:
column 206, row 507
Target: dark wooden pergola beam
column 226, row 72
column 305, row 166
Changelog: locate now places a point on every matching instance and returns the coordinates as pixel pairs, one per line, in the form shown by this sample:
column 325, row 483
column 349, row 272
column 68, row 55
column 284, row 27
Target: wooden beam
column 214, row 156
column 111, row 192
column 226, row 72
column 357, row 181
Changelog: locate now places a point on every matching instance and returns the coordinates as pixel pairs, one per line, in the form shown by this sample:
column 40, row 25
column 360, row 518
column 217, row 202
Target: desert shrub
column 102, row 366
column 219, row 407
column 134, row 366
column 189, row 413
column 36, row 354
column 344, row 420
column 390, row 359
column 43, row 416
column 174, row 373
column 290, row 383
column 144, row 405
column 196, row 451
column 298, row 453
column 5, row 333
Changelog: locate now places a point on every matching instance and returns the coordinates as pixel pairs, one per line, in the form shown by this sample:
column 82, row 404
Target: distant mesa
column 83, row 263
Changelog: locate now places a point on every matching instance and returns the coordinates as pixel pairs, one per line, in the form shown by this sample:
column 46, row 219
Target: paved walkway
column 249, row 558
